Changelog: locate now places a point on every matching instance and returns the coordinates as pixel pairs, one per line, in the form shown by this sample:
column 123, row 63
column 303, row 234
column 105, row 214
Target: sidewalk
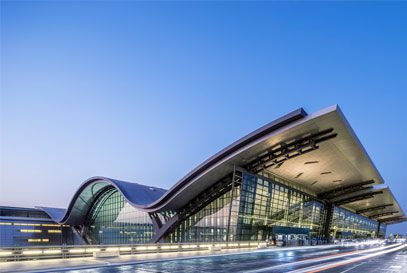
column 52, row 265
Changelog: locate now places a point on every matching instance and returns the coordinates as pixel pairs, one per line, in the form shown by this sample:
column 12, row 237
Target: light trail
column 321, row 259
column 319, row 268
column 319, row 253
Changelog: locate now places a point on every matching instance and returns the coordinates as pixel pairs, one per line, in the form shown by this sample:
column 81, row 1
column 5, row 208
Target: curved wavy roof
column 137, row 195
column 342, row 161
column 343, row 157
column 218, row 165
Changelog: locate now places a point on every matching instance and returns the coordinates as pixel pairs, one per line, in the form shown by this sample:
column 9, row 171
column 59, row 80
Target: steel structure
column 318, row 153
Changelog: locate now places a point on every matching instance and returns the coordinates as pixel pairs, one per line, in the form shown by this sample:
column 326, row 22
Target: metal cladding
column 294, row 140
column 319, row 152
column 137, row 195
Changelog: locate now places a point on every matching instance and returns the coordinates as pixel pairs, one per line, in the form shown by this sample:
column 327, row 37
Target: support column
column 231, row 203
column 328, row 220
column 378, row 229
column 157, row 224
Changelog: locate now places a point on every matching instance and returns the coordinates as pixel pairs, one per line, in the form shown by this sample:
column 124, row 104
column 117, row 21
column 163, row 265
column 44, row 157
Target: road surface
column 334, row 259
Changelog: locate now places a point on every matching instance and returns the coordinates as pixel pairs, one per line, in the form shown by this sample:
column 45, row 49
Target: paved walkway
column 395, row 262
column 90, row 262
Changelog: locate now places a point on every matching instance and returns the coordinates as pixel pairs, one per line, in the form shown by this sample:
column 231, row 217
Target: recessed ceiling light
column 311, row 162
column 279, row 165
column 326, row 172
column 298, row 175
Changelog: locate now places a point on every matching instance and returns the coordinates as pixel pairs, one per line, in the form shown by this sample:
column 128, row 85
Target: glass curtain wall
column 382, row 230
column 267, row 204
column 112, row 220
column 34, row 233
column 258, row 205
column 346, row 224
column 214, row 223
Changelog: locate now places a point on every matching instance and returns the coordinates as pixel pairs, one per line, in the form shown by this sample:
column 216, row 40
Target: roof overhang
column 337, row 162
column 318, row 152
column 135, row 194
column 379, row 206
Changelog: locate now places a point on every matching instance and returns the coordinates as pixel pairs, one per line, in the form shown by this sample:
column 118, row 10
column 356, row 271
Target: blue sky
column 145, row 91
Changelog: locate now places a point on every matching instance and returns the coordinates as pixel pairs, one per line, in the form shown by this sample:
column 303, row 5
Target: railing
column 64, row 252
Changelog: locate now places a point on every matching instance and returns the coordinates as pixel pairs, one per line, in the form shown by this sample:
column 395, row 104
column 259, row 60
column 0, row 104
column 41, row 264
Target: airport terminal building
column 301, row 176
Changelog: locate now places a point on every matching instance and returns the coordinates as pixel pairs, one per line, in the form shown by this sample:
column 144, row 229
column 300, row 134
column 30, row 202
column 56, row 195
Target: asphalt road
column 394, row 262
column 336, row 259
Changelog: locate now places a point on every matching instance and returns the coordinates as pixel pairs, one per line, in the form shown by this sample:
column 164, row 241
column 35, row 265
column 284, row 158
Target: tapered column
column 328, row 220
column 378, row 230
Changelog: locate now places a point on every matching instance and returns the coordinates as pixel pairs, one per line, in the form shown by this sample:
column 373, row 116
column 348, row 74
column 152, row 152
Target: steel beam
column 358, row 197
column 393, row 219
column 285, row 150
column 383, row 214
column 345, row 190
column 199, row 202
column 373, row 208
column 168, row 226
column 208, row 196
column 237, row 178
column 155, row 219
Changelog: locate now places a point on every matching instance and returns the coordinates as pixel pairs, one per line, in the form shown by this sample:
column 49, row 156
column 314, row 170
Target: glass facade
column 263, row 208
column 259, row 205
column 267, row 205
column 382, row 230
column 255, row 209
column 112, row 220
column 34, row 233
column 214, row 223
column 31, row 227
column 346, row 224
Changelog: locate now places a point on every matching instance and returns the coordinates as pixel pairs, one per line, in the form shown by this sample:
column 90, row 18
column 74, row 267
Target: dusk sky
column 145, row 91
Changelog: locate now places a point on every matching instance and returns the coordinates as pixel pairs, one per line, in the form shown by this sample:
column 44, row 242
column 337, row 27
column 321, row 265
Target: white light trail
column 322, row 259
column 318, row 268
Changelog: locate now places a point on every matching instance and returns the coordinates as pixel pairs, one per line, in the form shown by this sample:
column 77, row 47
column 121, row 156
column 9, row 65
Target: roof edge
column 230, row 149
column 62, row 217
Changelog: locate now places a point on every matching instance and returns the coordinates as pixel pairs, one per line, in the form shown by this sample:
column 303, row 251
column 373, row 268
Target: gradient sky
column 144, row 92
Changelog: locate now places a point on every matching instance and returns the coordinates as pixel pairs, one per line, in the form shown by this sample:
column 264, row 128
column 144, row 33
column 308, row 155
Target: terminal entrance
column 343, row 235
column 288, row 236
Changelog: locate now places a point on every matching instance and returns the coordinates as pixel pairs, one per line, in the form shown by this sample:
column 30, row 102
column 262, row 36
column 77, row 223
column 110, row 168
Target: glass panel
column 259, row 205
column 34, row 233
column 113, row 220
column 346, row 224
column 266, row 204
column 211, row 223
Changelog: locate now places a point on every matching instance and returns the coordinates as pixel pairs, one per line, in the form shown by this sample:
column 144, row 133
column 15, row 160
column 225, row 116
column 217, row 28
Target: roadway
column 332, row 259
